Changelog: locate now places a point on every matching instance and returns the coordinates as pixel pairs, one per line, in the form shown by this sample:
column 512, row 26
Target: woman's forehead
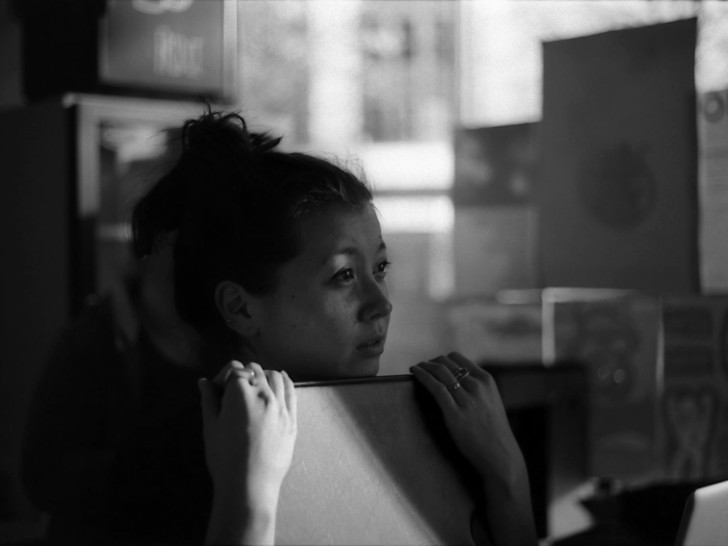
column 338, row 230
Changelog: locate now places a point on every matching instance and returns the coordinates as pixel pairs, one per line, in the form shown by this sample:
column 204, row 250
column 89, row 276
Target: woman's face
column 329, row 314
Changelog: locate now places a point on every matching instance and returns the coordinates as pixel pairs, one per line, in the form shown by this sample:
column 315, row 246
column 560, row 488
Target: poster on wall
column 494, row 166
column 694, row 401
column 617, row 169
column 494, row 231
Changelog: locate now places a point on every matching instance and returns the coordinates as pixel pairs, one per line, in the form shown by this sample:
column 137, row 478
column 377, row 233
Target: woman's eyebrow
column 351, row 251
column 346, row 251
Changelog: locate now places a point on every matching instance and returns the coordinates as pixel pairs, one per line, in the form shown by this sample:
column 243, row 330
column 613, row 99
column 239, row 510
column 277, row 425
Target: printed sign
column 164, row 44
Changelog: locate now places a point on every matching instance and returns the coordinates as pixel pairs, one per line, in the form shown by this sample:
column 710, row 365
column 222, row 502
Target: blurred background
column 549, row 176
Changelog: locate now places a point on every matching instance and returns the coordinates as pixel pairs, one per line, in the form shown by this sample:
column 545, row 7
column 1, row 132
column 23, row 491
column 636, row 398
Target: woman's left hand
column 476, row 419
column 473, row 412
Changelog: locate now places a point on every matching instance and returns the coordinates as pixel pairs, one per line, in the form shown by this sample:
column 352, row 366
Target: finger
column 459, row 366
column 435, row 387
column 457, row 372
column 209, row 402
column 261, row 381
column 445, row 375
column 440, row 370
column 223, row 375
column 275, row 380
column 445, row 361
column 244, row 374
column 241, row 393
column 291, row 398
column 464, row 362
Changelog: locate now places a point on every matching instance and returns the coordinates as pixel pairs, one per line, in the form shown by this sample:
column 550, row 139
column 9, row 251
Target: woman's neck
column 176, row 340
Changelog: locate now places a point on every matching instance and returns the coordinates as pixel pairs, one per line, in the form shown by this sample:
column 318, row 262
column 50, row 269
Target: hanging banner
column 618, row 163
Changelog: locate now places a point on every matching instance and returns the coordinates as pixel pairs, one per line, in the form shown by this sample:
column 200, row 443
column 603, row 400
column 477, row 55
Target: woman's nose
column 376, row 303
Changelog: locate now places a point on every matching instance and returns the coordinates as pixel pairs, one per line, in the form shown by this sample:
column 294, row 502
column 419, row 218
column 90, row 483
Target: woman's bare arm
column 249, row 434
column 476, row 419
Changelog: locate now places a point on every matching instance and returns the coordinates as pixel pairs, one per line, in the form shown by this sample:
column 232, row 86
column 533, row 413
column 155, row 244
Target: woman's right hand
column 249, row 431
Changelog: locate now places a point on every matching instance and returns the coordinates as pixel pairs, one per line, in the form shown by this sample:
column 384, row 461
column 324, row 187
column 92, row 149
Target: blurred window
column 500, row 61
column 372, row 81
column 385, row 82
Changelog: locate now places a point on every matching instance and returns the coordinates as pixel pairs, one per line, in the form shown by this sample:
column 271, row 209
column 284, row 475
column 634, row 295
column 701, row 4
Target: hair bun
column 262, row 142
column 218, row 132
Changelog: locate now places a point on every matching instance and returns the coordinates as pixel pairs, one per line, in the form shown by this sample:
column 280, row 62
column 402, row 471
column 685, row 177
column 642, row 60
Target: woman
column 281, row 267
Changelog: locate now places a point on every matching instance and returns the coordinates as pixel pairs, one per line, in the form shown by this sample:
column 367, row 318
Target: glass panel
column 417, row 230
column 408, row 166
column 415, row 214
column 500, row 41
column 408, row 76
column 373, row 83
column 387, row 67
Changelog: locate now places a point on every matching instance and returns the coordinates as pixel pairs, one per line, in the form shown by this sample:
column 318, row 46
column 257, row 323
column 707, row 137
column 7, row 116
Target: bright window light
column 408, row 166
column 415, row 214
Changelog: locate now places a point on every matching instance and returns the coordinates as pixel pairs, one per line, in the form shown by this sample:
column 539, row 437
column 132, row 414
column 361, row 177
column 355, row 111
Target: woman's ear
column 234, row 304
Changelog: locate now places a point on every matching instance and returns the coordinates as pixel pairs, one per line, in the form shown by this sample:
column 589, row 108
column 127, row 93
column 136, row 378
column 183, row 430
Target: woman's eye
column 382, row 268
column 344, row 275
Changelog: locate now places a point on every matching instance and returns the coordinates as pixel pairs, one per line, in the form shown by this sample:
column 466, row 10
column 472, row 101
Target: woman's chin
column 367, row 368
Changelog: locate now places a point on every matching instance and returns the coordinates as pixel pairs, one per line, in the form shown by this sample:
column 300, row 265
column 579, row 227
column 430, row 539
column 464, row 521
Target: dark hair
column 236, row 203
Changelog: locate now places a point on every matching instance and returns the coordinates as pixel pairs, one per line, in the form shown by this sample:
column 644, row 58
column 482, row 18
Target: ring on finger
column 455, row 386
column 461, row 373
column 249, row 375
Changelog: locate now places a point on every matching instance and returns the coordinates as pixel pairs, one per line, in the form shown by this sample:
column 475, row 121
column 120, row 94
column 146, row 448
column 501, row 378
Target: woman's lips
column 372, row 349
